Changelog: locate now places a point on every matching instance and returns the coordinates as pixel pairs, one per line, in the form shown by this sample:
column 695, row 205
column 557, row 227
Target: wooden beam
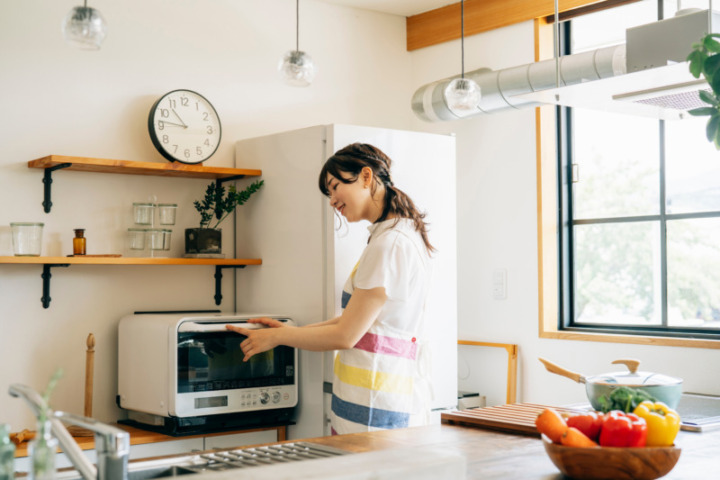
column 443, row 24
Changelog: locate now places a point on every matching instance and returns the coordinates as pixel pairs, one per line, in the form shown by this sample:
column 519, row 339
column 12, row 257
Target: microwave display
column 211, row 361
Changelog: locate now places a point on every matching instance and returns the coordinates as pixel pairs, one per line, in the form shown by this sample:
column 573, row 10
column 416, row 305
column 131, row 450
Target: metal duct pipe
column 500, row 89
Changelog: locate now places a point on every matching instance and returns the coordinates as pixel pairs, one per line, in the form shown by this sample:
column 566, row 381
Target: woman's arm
column 336, row 334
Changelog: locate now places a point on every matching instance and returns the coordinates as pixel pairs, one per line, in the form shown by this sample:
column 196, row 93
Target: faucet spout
column 112, row 444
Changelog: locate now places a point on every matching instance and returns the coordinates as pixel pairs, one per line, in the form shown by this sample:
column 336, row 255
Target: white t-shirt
column 379, row 382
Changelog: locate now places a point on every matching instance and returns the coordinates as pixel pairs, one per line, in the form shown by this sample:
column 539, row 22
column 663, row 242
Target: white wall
column 497, row 228
column 60, row 100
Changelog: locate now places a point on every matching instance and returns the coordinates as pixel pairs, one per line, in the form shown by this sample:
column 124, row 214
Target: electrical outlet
column 499, row 284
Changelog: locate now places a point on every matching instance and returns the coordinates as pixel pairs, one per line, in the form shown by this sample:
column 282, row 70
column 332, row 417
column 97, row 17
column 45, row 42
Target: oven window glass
column 209, row 361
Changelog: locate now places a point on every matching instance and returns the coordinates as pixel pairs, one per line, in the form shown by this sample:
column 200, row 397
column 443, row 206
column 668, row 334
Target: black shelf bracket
column 218, row 280
column 46, row 275
column 47, row 180
column 218, row 184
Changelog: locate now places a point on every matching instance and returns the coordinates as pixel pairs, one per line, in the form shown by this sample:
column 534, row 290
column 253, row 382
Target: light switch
column 499, row 284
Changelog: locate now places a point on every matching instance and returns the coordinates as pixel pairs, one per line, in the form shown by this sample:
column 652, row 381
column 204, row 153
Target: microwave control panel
column 241, row 400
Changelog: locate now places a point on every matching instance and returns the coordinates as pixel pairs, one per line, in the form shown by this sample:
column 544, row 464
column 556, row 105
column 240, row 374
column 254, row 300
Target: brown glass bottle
column 79, row 242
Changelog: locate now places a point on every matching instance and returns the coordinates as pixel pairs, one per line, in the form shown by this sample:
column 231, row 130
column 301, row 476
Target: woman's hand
column 258, row 340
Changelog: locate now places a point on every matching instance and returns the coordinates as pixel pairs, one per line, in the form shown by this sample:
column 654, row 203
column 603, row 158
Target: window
column 640, row 209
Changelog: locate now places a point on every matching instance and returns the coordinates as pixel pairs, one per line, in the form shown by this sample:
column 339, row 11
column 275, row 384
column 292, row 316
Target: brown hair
column 351, row 160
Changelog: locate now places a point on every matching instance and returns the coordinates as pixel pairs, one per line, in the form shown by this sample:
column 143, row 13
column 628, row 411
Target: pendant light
column 84, row 28
column 462, row 95
column 296, row 67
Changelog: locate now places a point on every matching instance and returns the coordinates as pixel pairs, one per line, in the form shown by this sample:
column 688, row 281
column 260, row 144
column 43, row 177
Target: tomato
column 588, row 423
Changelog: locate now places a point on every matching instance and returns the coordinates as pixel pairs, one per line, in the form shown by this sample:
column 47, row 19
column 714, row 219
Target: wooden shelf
column 101, row 165
column 130, row 261
column 49, row 263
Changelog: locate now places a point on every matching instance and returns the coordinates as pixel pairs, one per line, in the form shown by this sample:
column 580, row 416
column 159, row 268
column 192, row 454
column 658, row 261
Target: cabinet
column 54, row 163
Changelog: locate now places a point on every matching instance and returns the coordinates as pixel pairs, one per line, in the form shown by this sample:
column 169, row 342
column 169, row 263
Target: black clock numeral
column 187, row 153
column 198, row 151
column 209, row 129
column 165, row 139
column 164, row 113
column 206, row 142
column 172, row 102
column 197, row 106
column 205, row 116
column 161, row 125
column 174, row 148
column 184, row 101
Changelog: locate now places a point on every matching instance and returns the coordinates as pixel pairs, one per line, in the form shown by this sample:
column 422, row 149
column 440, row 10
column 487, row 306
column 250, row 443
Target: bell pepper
column 622, row 429
column 663, row 423
column 588, row 423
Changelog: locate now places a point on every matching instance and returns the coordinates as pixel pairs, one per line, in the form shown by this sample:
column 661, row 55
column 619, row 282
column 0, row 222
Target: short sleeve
column 387, row 263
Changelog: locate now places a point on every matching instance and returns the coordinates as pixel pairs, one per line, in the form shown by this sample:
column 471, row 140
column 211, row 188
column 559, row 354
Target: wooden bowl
column 596, row 463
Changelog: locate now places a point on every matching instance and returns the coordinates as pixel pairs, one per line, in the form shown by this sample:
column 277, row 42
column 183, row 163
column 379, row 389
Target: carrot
column 575, row 438
column 551, row 424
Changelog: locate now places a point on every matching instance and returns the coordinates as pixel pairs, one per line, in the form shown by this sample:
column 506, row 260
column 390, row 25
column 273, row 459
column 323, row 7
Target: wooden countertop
column 496, row 455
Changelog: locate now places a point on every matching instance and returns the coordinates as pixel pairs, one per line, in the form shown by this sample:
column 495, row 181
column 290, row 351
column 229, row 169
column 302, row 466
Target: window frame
column 552, row 246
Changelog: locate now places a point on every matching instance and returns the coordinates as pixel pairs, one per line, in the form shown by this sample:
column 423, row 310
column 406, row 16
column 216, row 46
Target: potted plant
column 218, row 203
column 704, row 60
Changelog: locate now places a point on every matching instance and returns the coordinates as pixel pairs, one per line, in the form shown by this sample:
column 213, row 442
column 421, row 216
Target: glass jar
column 143, row 213
column 7, row 453
column 156, row 237
column 42, row 450
column 79, row 242
column 166, row 212
column 136, row 238
column 27, row 238
column 167, row 234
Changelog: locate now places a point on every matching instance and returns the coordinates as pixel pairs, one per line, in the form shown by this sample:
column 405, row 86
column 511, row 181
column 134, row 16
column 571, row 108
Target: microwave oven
column 184, row 373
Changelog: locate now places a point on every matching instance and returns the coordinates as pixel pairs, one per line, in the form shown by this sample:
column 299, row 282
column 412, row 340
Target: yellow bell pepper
column 663, row 423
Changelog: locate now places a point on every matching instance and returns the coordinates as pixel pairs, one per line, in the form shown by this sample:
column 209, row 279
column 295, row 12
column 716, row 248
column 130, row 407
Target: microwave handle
column 214, row 327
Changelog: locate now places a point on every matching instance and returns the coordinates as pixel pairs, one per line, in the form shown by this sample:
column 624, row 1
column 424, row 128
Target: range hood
column 647, row 76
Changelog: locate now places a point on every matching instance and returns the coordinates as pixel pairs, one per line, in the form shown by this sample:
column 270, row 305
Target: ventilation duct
column 648, row 76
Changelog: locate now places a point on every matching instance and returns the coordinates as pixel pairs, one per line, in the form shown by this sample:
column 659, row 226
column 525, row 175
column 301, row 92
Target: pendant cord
column 462, row 38
column 297, row 25
column 85, row 4
column 557, row 44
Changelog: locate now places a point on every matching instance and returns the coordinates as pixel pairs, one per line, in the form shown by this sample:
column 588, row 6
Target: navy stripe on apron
column 345, row 299
column 373, row 417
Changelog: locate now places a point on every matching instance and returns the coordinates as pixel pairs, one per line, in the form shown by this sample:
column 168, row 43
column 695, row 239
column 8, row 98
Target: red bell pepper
column 622, row 429
column 588, row 423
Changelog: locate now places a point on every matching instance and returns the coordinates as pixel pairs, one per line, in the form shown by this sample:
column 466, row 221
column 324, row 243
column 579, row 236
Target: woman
column 380, row 368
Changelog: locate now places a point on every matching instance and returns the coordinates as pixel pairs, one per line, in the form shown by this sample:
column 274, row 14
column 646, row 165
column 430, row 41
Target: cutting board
column 512, row 418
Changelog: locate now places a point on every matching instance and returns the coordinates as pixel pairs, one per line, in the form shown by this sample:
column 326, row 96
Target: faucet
column 111, row 444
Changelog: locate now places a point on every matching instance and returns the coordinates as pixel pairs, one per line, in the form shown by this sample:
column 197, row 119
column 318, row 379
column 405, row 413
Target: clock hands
column 174, row 124
column 178, row 117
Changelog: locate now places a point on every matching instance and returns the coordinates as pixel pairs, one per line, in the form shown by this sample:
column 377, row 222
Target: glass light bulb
column 297, row 68
column 462, row 96
column 84, row 27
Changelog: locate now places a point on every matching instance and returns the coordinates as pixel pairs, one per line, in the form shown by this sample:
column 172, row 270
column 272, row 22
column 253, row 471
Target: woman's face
column 351, row 200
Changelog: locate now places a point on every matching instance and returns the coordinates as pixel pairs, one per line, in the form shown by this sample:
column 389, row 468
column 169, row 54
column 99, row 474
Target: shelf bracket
column 218, row 184
column 218, row 280
column 46, row 281
column 47, row 180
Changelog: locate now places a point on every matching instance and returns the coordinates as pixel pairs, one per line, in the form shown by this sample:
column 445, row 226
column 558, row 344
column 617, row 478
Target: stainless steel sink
column 222, row 460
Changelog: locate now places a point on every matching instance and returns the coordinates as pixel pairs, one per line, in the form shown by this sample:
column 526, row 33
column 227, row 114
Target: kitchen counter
column 498, row 455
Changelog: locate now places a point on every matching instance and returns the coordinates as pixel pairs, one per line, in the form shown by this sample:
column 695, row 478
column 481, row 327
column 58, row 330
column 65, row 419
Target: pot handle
column 552, row 368
column 631, row 363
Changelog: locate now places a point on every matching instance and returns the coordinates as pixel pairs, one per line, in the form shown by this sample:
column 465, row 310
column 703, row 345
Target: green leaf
column 696, row 60
column 711, row 65
column 699, row 112
column 711, row 129
column 708, row 97
column 710, row 44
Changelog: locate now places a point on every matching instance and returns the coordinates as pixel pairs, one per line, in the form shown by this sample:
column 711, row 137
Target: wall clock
column 184, row 127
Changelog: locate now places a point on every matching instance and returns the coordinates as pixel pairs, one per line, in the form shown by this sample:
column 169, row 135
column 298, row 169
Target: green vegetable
column 625, row 399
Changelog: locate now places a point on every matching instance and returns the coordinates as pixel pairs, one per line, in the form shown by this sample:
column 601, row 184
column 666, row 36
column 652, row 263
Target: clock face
column 184, row 127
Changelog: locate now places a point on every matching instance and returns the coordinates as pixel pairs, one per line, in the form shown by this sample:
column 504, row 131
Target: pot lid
column 633, row 377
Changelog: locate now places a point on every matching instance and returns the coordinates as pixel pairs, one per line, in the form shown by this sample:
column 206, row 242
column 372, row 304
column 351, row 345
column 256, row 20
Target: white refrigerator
column 306, row 258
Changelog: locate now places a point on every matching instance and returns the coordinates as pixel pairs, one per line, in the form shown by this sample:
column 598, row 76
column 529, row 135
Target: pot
column 663, row 387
